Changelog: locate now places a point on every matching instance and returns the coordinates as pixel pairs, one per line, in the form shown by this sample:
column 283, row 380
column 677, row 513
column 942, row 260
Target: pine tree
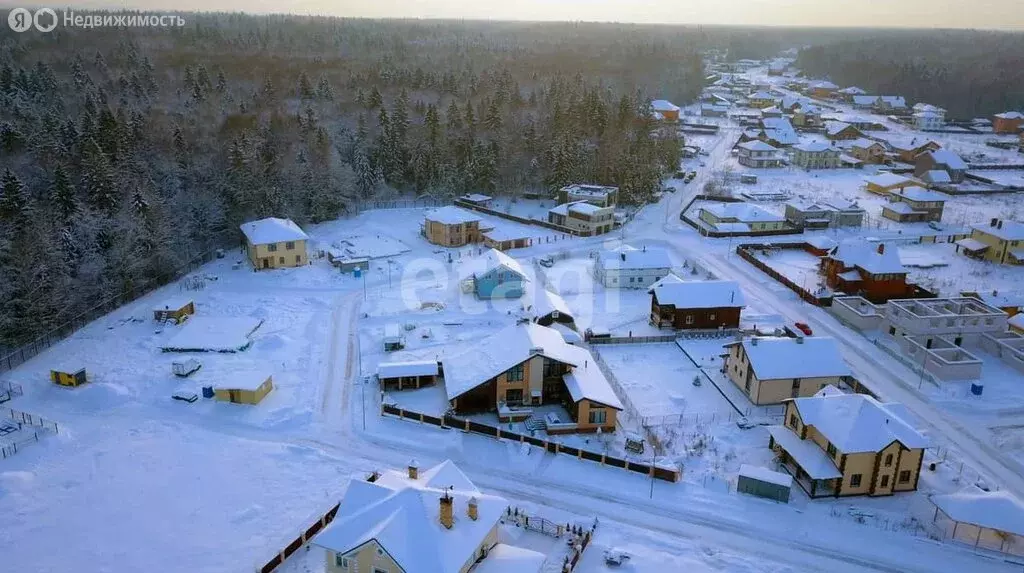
column 375, row 100
column 62, row 195
column 97, row 178
column 493, row 121
column 305, row 86
column 324, row 90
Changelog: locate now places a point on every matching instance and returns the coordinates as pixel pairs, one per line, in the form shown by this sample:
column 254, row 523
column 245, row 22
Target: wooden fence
column 744, row 251
column 704, row 230
column 299, row 541
column 516, row 218
column 26, row 352
column 450, row 421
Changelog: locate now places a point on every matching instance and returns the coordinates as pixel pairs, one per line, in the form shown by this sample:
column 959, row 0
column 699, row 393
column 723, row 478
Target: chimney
column 623, row 256
column 447, row 517
column 414, row 469
column 536, row 350
column 999, row 225
column 645, row 248
column 881, row 248
column 993, row 222
column 471, row 509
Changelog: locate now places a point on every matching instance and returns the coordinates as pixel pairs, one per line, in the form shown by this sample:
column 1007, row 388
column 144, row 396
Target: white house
column 627, row 267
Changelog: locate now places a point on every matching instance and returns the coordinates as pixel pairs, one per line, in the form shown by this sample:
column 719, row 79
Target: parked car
column 802, row 327
column 546, row 262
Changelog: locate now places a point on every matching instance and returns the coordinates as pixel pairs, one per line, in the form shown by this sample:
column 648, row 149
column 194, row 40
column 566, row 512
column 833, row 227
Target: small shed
column 249, row 388
column 69, row 377
column 185, row 368
column 477, row 199
column 405, row 375
column 990, row 520
column 393, row 338
column 763, row 482
column 176, row 310
column 353, row 264
column 748, row 179
column 504, row 239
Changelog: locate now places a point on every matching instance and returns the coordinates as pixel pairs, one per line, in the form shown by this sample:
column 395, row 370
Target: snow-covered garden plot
column 939, row 267
column 370, row 246
column 114, row 494
column 797, row 265
column 213, row 334
column 659, row 379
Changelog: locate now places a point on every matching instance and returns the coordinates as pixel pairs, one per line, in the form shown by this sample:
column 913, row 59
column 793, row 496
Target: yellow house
column 68, row 377
column 885, row 183
column 740, row 218
column 451, row 227
column 837, row 444
column 435, row 521
column 772, row 370
column 527, row 365
column 1001, row 241
column 274, row 243
column 176, row 310
column 247, row 389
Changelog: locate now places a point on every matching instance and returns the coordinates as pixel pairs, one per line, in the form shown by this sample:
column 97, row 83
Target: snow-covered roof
column 809, row 357
column 761, row 95
column 402, row 516
column 834, row 127
column 664, row 105
column 1010, row 115
column 766, row 475
column 865, row 99
column 780, row 129
column 547, row 302
column 997, row 510
column 173, row 303
column 647, row 258
column 585, row 208
column 1008, row 231
column 699, row 294
column 503, row 350
column 865, row 255
column 411, row 368
column 915, row 193
column 807, row 454
column 888, row 179
column 587, row 189
column 272, row 230
column 1016, row 321
column 812, row 147
column 670, row 278
column 865, row 143
column 824, row 84
column 972, row 244
column 493, row 259
column 929, row 114
column 587, row 382
column 450, row 215
column 500, row 234
column 504, row 558
column 894, row 101
column 937, row 176
column 243, row 381
column 927, row 107
column 476, row 198
column 948, row 158
column 852, row 90
column 743, row 212
column 821, row 242
column 857, row 423
column 757, row 145
column 901, row 208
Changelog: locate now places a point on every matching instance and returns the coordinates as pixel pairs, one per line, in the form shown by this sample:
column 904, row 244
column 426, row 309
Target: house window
column 885, row 481
column 514, row 396
column 792, row 421
column 711, row 316
column 289, row 246
column 298, row 259
column 379, row 570
column 341, row 561
column 855, row 480
column 598, row 416
column 515, row 374
column 689, row 319
column 905, row 476
column 831, row 450
column 795, row 389
column 280, row 260
column 888, row 460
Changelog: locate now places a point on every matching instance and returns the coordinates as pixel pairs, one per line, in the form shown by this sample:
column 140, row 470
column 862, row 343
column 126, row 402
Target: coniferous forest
column 128, row 152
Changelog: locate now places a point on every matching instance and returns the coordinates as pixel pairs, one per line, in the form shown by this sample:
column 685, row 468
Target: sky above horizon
column 1000, row 14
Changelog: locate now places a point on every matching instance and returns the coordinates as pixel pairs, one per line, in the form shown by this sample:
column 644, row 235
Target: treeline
column 970, row 73
column 126, row 154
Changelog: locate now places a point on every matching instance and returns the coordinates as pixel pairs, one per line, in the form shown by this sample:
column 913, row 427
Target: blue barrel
column 977, row 388
column 207, row 391
column 357, row 272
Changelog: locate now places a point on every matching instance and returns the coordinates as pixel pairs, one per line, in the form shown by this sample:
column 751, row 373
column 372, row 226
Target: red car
column 802, row 326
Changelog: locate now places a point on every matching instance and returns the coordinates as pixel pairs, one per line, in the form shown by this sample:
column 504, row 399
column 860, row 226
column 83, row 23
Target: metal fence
column 42, row 427
column 28, row 351
column 9, row 391
column 699, row 418
column 299, row 541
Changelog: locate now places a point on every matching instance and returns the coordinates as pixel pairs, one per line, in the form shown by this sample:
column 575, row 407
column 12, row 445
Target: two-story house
column 868, row 150
column 929, row 117
column 914, row 204
column 872, row 271
column 1001, row 241
column 274, row 243
column 528, row 365
column 583, row 217
column 841, row 131
column 826, row 213
column 684, row 305
column 941, row 159
column 628, row 267
column 758, row 154
column 600, row 195
column 761, row 99
column 815, row 155
column 771, row 370
column 429, row 521
column 1007, row 122
column 451, row 227
column 838, row 444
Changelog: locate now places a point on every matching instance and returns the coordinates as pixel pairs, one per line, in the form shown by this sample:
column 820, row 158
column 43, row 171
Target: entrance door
column 233, row 396
column 266, row 263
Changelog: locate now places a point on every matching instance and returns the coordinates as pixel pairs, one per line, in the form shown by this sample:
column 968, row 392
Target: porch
column 806, row 462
